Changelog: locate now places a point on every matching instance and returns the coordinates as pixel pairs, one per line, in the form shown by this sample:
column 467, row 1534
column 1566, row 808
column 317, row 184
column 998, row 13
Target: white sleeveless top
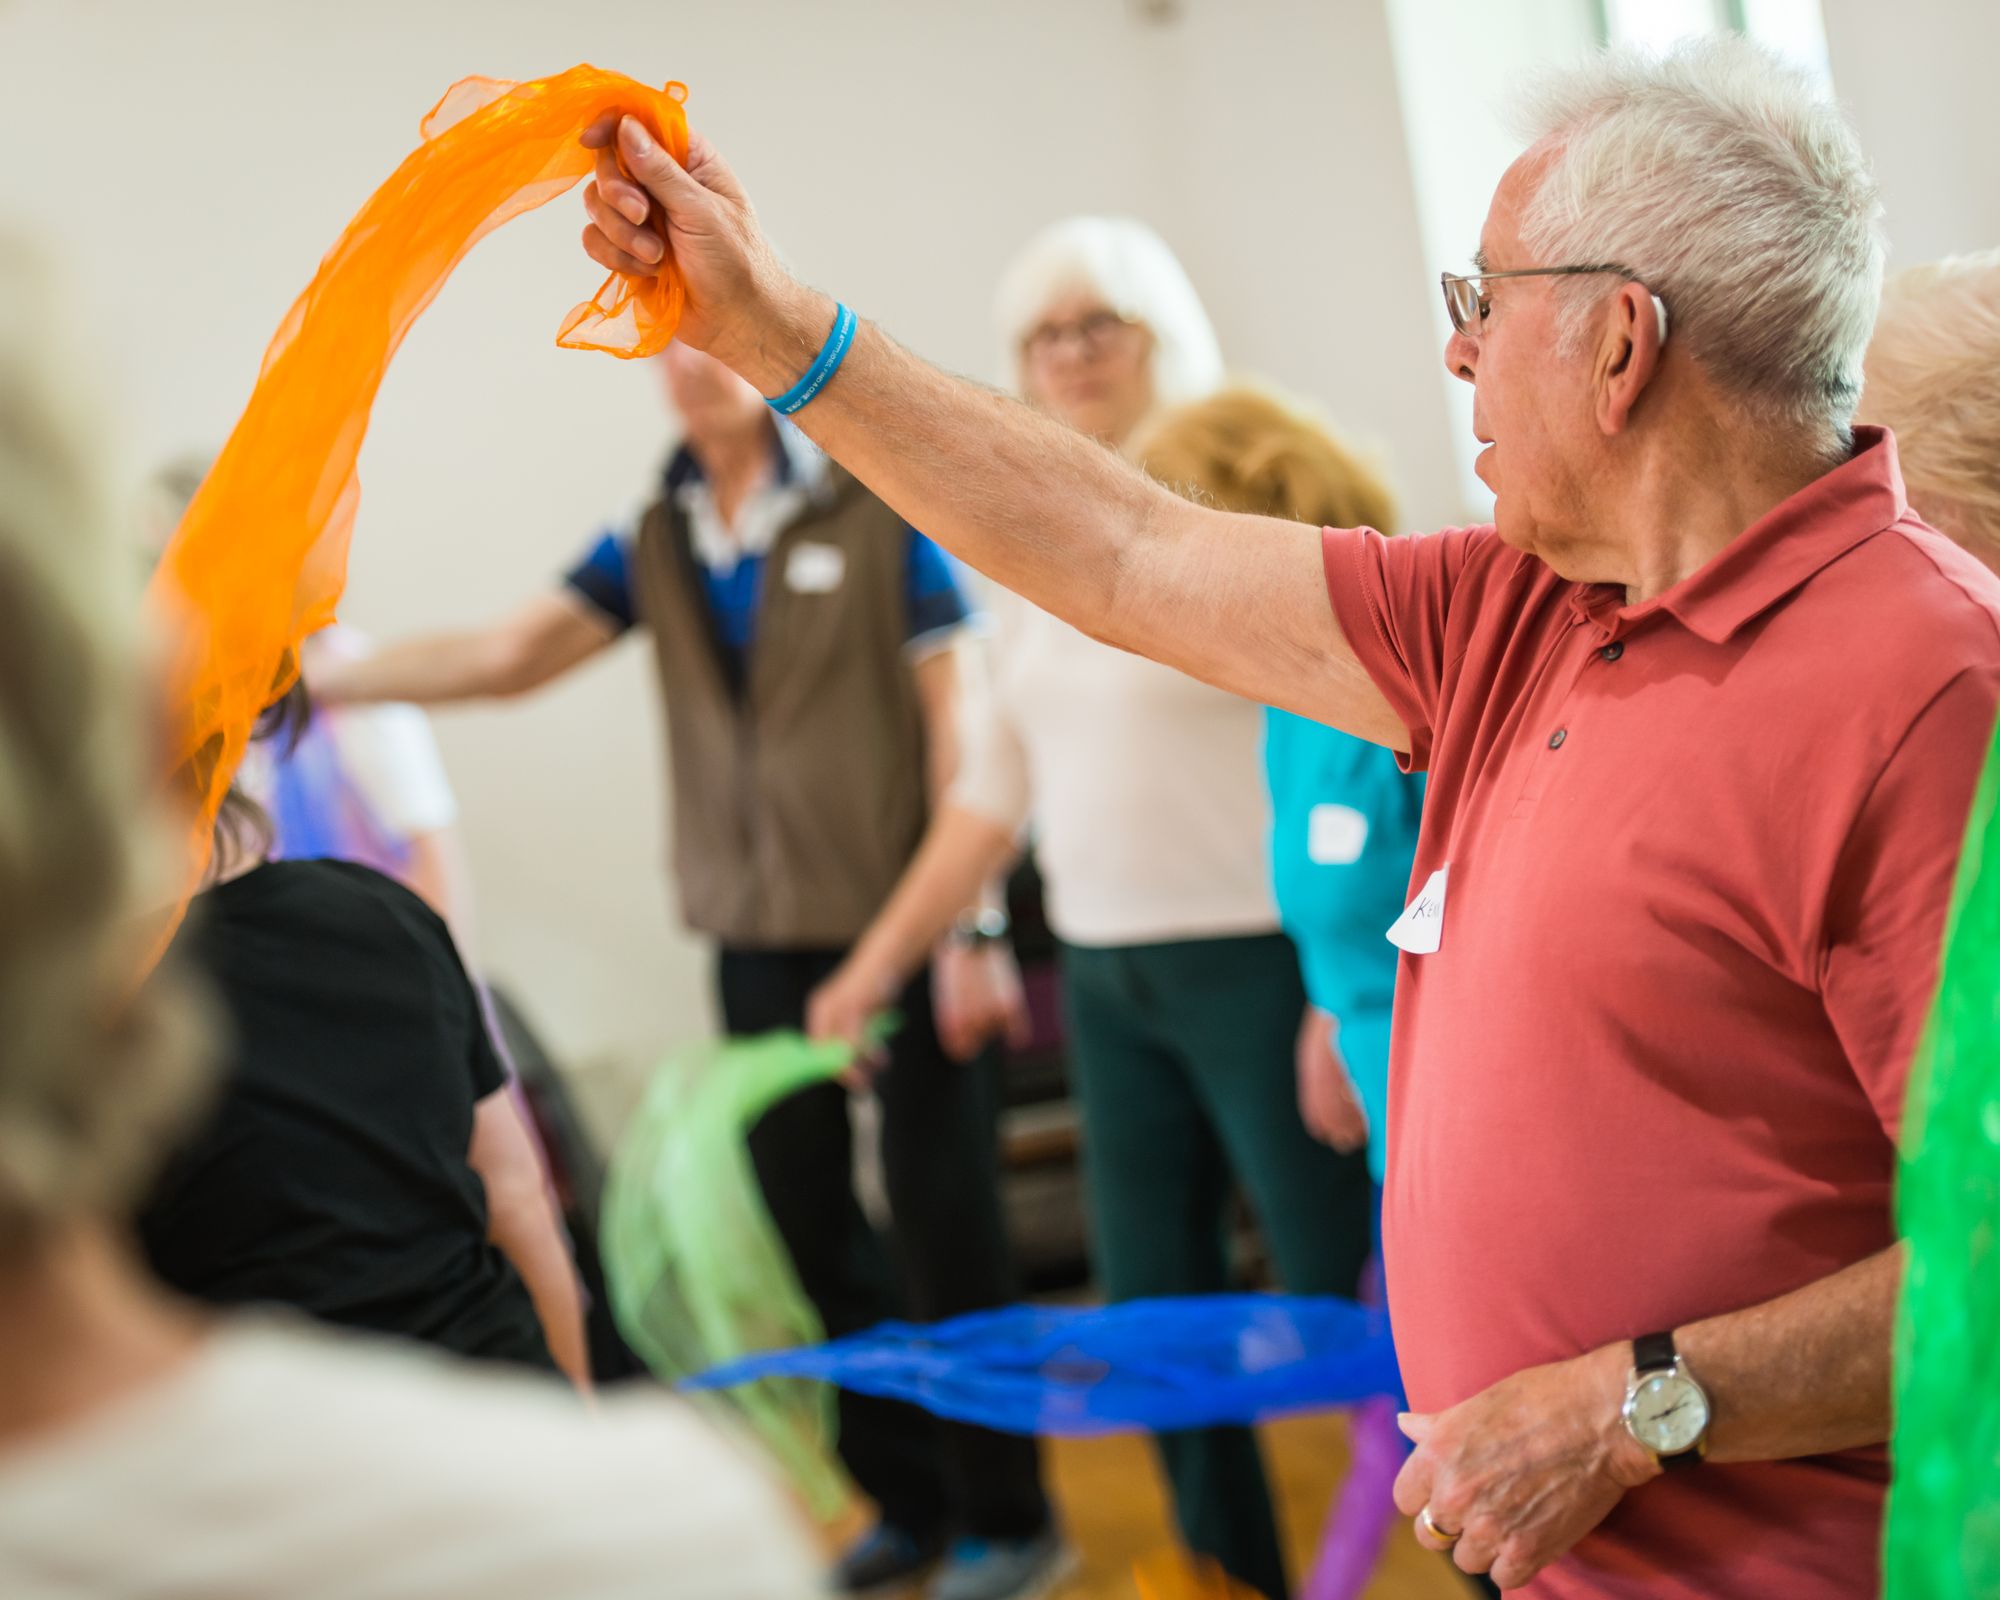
column 1145, row 788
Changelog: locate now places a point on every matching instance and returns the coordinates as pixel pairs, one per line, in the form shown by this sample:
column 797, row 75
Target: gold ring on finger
column 1429, row 1526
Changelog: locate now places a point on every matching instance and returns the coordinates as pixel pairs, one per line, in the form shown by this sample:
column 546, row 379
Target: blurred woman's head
column 1100, row 326
column 1246, row 449
column 244, row 832
column 164, row 499
column 1933, row 375
column 96, row 1071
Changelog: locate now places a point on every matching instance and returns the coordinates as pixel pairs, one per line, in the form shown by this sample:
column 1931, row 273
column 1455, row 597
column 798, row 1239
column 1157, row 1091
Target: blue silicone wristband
column 824, row 366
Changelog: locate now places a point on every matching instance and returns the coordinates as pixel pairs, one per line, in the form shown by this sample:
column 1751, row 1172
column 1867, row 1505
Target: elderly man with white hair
column 1702, row 713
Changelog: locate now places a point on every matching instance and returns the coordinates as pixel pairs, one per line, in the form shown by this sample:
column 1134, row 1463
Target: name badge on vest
column 815, row 568
column 1420, row 928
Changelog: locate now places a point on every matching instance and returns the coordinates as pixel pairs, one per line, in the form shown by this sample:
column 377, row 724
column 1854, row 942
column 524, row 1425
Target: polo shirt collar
column 800, row 477
column 795, row 459
column 1776, row 554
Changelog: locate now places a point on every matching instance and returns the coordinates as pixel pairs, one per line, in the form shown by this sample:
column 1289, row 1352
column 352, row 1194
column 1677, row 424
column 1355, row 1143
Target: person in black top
column 365, row 1161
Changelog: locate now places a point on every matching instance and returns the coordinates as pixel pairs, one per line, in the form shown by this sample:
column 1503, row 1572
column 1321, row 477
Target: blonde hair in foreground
column 1247, row 449
column 96, row 1071
column 1933, row 376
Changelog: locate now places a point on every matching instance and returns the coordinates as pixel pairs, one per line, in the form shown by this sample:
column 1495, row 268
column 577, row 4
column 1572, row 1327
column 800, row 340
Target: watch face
column 1668, row 1413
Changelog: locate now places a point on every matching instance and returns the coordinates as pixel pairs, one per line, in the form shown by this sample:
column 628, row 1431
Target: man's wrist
column 1628, row 1462
column 789, row 327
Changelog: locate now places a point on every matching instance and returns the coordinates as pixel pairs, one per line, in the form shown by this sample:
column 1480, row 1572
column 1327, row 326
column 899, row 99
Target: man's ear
column 1628, row 353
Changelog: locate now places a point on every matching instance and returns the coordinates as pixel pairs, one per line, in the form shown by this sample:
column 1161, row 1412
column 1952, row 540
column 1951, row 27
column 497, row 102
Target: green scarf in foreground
column 1943, row 1539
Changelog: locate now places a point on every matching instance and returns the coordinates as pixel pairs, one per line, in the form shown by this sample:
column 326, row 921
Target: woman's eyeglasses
column 1092, row 334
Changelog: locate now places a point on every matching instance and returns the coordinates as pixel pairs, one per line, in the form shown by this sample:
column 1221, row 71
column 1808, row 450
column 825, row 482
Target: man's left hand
column 1525, row 1469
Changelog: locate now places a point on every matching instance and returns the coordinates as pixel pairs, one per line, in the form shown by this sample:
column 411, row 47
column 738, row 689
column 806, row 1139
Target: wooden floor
column 1109, row 1496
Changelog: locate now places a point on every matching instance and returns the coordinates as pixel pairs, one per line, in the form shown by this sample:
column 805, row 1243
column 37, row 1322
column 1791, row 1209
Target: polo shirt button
column 1613, row 651
column 1556, row 738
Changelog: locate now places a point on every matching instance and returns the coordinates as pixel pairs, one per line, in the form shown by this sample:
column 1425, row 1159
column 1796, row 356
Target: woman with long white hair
column 1146, row 797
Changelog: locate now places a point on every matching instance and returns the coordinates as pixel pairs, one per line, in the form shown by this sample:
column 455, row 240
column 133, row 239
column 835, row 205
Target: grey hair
column 1135, row 273
column 1934, row 377
column 1730, row 187
column 97, row 1070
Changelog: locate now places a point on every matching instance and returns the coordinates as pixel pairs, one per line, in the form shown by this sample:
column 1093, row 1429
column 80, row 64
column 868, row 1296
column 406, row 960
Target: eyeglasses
column 1092, row 334
column 1466, row 300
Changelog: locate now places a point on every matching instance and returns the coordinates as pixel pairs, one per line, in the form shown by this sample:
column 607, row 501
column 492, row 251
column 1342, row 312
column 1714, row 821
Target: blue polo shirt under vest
column 733, row 579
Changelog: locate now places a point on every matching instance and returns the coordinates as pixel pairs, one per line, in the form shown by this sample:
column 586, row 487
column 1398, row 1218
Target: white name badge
column 815, row 568
column 1421, row 926
column 1335, row 835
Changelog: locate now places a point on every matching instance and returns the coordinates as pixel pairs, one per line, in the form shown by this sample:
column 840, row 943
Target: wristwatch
column 1666, row 1409
column 978, row 929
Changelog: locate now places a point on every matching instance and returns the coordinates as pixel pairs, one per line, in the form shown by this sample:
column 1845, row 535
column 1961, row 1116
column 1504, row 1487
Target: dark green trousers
column 1182, row 1061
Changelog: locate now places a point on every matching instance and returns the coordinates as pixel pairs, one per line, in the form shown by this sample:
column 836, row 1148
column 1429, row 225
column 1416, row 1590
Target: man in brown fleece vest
column 802, row 633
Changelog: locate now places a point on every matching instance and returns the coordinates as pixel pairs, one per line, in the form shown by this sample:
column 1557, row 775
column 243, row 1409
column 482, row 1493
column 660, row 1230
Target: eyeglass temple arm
column 1450, row 278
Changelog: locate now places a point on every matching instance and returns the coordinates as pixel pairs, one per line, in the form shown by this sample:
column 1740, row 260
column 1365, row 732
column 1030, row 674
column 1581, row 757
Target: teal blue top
column 1343, row 837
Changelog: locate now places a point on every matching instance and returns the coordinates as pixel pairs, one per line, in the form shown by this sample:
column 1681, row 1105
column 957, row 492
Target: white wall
column 1456, row 70
column 1284, row 180
column 194, row 159
column 1918, row 78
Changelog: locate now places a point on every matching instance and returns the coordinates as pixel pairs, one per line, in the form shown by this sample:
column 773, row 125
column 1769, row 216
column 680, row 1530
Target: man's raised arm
column 522, row 651
column 1238, row 601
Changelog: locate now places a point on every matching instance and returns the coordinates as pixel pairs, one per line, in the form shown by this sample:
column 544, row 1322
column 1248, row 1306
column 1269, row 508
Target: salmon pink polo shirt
column 1699, row 856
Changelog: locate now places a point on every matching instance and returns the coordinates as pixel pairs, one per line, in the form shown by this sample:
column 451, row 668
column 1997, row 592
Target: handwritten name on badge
column 1421, row 926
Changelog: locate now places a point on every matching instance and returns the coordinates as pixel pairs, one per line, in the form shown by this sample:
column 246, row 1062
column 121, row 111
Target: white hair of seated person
column 1934, row 377
column 1130, row 268
column 1731, row 187
column 96, row 1073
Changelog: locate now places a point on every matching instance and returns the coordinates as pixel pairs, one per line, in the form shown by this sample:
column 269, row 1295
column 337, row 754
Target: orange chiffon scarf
column 260, row 559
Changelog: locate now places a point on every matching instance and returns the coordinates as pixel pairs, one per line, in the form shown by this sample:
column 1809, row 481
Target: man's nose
column 1461, row 356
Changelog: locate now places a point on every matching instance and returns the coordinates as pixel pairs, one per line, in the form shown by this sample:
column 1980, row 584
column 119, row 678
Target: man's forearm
column 1528, row 1466
column 434, row 670
column 1803, row 1374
